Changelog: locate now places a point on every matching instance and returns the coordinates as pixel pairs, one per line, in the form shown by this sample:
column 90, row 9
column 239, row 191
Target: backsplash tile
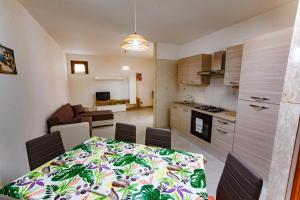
column 216, row 94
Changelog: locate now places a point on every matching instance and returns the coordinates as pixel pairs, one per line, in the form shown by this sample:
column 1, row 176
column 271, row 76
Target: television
column 102, row 96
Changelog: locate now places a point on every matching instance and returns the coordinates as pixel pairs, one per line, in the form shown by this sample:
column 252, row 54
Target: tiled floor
column 144, row 118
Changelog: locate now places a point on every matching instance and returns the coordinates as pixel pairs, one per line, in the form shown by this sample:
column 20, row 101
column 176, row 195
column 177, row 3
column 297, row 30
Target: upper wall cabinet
column 218, row 61
column 263, row 67
column 233, row 65
column 189, row 67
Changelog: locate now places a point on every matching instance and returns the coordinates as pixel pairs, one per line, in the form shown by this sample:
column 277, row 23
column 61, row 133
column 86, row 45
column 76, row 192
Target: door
column 296, row 185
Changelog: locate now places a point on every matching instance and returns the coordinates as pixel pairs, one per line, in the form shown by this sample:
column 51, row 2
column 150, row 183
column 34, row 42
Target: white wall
column 84, row 87
column 28, row 98
column 168, row 51
column 216, row 93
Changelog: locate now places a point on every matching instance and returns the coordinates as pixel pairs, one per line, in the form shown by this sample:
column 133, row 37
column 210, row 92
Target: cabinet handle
column 259, row 99
column 221, row 131
column 222, row 122
column 234, row 82
column 259, row 107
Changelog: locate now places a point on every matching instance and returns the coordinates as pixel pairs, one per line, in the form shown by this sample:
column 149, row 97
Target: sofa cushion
column 98, row 115
column 62, row 116
column 78, row 109
column 65, row 113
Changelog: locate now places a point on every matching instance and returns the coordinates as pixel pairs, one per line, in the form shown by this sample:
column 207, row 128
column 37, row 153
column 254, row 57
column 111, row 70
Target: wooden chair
column 125, row 132
column 158, row 137
column 43, row 149
column 238, row 182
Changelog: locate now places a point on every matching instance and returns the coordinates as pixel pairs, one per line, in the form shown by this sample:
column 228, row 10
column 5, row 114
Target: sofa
column 76, row 116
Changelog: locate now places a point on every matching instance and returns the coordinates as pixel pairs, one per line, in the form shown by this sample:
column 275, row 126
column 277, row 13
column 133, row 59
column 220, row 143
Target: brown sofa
column 68, row 114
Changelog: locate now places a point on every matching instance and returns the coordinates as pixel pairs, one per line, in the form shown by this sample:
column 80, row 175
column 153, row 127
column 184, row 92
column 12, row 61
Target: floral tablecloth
column 129, row 171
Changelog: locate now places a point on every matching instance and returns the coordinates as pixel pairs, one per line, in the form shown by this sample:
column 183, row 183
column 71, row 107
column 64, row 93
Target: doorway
column 294, row 183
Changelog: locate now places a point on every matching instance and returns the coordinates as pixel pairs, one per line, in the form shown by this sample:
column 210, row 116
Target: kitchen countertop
column 222, row 115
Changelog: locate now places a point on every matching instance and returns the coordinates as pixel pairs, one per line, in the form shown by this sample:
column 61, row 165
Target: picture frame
column 7, row 61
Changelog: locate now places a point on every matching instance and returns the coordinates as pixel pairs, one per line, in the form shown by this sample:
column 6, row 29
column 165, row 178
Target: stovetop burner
column 210, row 108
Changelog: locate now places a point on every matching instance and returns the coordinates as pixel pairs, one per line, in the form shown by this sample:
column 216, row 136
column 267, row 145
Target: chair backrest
column 43, row 149
column 158, row 137
column 2, row 197
column 238, row 181
column 125, row 132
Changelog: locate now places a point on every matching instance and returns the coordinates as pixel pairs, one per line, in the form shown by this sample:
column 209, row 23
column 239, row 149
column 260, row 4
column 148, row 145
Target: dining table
column 123, row 170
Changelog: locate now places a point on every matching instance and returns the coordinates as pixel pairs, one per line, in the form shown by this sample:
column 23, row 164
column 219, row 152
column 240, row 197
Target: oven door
column 201, row 125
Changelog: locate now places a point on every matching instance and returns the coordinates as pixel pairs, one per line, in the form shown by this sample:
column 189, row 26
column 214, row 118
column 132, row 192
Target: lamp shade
column 135, row 42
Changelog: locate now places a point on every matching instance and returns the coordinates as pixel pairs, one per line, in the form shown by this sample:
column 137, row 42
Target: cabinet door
column 185, row 120
column 254, row 134
column 263, row 67
column 233, row 65
column 221, row 142
column 174, row 117
column 183, row 74
column 189, row 67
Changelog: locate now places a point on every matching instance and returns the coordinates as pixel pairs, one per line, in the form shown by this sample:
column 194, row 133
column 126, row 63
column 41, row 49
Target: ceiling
column 99, row 26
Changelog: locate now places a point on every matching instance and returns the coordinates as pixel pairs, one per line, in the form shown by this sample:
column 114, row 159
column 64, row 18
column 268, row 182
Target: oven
column 201, row 125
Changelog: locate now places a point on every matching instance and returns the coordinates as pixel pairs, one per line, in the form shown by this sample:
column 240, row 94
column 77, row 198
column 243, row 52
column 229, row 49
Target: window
column 79, row 67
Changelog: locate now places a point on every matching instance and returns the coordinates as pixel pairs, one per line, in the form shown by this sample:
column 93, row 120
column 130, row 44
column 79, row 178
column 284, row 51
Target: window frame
column 85, row 63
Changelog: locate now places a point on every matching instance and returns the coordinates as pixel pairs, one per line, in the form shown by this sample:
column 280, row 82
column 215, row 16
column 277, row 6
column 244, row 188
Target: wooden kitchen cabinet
column 262, row 75
column 233, row 65
column 173, row 117
column 254, row 134
column 263, row 67
column 180, row 119
column 222, row 135
column 189, row 67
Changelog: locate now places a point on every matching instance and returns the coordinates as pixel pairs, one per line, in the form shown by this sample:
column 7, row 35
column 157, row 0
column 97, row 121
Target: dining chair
column 238, row 181
column 125, row 132
column 158, row 137
column 3, row 197
column 43, row 149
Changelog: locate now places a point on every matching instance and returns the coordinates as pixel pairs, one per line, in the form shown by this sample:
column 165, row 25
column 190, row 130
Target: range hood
column 217, row 65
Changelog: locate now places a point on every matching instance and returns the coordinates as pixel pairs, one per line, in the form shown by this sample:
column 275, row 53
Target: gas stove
column 210, row 108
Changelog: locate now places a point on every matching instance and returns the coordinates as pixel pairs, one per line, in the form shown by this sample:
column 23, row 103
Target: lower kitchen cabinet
column 180, row 119
column 222, row 135
column 255, row 133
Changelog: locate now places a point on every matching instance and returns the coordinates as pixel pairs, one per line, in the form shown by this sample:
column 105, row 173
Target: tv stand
column 113, row 105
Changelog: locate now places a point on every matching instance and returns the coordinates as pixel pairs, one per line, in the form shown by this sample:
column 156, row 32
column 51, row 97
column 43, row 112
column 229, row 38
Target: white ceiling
column 99, row 26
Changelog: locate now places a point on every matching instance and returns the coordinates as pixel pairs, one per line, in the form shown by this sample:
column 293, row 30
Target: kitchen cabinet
column 222, row 134
column 255, row 133
column 218, row 61
column 180, row 119
column 189, row 67
column 222, row 137
column 263, row 67
column 233, row 65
